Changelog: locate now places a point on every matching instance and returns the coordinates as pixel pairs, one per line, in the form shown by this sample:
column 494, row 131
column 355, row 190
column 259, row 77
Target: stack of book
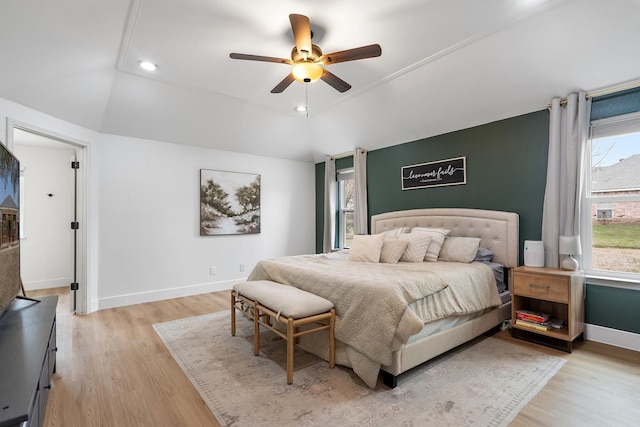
column 533, row 320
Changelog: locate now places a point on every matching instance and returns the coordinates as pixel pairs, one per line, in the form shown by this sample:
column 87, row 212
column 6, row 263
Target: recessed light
column 149, row 66
column 301, row 109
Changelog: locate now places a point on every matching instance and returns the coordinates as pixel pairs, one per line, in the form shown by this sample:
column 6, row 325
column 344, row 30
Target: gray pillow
column 484, row 254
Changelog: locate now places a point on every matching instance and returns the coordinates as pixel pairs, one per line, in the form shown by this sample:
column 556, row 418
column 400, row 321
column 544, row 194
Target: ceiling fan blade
column 301, row 28
column 334, row 81
column 259, row 58
column 280, row 87
column 369, row 51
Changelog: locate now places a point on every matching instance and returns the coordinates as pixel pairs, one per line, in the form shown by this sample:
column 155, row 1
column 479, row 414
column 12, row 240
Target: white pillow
column 395, row 232
column 366, row 248
column 417, row 247
column 459, row 249
column 392, row 250
column 437, row 239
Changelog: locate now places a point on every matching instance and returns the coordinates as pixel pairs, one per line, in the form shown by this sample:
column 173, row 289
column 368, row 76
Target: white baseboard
column 614, row 337
column 34, row 285
column 159, row 295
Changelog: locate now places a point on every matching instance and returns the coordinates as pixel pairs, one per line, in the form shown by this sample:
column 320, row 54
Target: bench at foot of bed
column 263, row 300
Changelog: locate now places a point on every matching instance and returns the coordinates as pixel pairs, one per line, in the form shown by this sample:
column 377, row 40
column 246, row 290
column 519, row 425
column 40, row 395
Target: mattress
column 440, row 325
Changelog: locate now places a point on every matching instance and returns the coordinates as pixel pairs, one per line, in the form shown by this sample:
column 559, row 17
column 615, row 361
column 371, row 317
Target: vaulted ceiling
column 445, row 65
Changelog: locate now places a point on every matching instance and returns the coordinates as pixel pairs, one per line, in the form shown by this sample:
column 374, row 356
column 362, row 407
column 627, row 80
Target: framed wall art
column 229, row 203
column 435, row 174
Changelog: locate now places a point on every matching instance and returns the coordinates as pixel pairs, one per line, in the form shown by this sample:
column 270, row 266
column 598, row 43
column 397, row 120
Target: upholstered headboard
column 498, row 230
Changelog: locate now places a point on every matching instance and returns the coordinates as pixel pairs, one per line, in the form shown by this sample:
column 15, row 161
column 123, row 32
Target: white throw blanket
column 371, row 300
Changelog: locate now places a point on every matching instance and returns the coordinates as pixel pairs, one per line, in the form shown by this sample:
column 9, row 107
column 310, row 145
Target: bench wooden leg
column 256, row 329
column 233, row 313
column 290, row 347
column 332, row 340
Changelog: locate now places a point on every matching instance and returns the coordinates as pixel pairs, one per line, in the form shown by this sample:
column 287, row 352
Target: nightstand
column 558, row 293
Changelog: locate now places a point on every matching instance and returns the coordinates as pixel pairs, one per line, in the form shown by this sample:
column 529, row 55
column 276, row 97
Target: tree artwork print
column 229, row 203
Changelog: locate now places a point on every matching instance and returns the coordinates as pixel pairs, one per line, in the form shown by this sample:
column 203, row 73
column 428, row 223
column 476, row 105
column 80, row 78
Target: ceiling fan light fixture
column 307, row 60
column 306, row 71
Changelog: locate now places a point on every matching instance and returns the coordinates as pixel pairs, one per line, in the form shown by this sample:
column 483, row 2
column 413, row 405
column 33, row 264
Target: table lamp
column 569, row 245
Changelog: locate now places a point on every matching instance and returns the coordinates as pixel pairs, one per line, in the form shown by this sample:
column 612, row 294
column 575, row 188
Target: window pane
column 607, row 152
column 349, row 228
column 348, row 201
column 616, row 237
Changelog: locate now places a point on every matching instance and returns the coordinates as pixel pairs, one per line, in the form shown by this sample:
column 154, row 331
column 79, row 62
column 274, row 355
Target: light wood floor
column 113, row 370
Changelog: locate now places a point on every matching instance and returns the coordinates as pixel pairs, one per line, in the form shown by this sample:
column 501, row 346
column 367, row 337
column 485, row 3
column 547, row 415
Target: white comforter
column 371, row 299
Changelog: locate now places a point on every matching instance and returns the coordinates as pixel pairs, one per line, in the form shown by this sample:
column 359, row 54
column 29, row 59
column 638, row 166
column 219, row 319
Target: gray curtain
column 568, row 134
column 360, row 189
column 329, row 204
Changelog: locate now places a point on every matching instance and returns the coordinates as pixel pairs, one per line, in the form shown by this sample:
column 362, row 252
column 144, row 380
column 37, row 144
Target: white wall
column 46, row 250
column 150, row 243
column 142, row 207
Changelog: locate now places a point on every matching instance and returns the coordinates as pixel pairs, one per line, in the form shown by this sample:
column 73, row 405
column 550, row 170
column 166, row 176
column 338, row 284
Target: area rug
column 483, row 383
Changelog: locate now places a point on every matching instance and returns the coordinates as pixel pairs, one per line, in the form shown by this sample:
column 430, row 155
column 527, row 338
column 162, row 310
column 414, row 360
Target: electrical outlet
column 241, row 267
column 213, row 271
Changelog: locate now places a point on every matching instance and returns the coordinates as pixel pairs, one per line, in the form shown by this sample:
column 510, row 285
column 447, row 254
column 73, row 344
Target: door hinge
column 75, row 225
column 74, row 286
column 75, row 165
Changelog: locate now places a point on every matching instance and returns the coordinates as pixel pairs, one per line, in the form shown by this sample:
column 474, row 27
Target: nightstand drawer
column 542, row 287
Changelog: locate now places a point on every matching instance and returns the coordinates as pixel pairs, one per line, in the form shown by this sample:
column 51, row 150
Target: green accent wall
column 615, row 308
column 506, row 171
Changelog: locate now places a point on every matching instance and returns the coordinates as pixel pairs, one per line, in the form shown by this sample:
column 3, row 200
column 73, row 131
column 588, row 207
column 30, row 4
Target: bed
column 414, row 311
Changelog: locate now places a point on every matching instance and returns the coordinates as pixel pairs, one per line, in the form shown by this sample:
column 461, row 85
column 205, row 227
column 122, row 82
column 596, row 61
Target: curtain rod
column 346, row 154
column 605, row 92
column 613, row 90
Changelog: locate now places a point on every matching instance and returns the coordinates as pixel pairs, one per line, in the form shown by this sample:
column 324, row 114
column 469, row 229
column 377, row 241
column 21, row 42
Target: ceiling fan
column 307, row 59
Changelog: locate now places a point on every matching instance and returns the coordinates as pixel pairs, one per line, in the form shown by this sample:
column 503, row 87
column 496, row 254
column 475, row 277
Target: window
column 346, row 203
column 612, row 226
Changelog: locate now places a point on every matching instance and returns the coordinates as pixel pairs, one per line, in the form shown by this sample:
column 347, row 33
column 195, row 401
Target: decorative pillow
column 395, row 232
column 366, row 248
column 484, row 255
column 459, row 249
column 437, row 239
column 416, row 248
column 392, row 250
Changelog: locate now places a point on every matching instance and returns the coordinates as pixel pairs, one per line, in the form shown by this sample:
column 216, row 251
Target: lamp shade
column 569, row 245
column 306, row 71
